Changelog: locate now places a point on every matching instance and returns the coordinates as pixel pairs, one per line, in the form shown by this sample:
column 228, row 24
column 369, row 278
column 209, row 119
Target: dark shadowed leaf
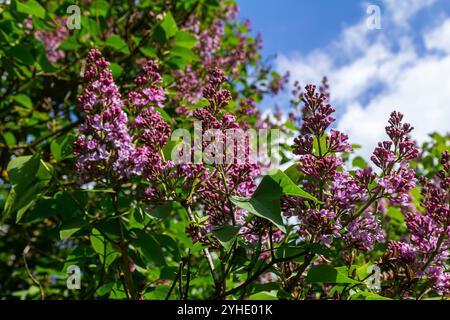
column 226, row 235
column 147, row 245
column 363, row 295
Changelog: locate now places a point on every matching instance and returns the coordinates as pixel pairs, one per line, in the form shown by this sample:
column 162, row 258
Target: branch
column 260, row 272
column 205, row 250
column 41, row 139
column 35, row 281
column 129, row 288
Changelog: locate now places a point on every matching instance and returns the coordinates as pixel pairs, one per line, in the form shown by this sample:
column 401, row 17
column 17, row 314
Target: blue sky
column 403, row 66
column 293, row 25
column 302, row 25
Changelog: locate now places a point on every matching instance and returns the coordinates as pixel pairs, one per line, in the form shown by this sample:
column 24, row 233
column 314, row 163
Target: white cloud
column 421, row 93
column 383, row 74
column 401, row 11
column 439, row 38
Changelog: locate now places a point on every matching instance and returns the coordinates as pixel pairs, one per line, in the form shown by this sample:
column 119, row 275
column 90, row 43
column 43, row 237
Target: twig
column 177, row 279
column 41, row 139
column 129, row 290
column 188, row 275
column 205, row 250
column 35, row 281
column 260, row 271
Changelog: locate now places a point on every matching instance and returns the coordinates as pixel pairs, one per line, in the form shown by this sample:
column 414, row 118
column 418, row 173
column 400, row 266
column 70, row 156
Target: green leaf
column 363, row 295
column 263, row 296
column 105, row 289
column 61, row 147
column 290, row 125
column 288, row 187
column 322, row 143
column 164, row 115
column 265, row 202
column 327, row 274
column 396, row 214
column 168, row 245
column 42, row 210
column 42, row 61
column 149, row 52
column 139, row 217
column 116, row 69
column 184, row 39
column 106, row 190
column 70, row 228
column 90, row 26
column 28, row 176
column 70, row 43
column 169, row 147
column 177, row 62
column 183, row 53
column 201, row 103
column 24, row 100
column 99, row 8
column 147, row 245
column 31, row 7
column 373, row 185
column 168, row 273
column 268, row 208
column 162, row 211
column 226, row 235
column 10, row 139
column 359, row 162
column 320, row 249
column 117, row 43
column 158, row 293
column 293, row 173
column 22, row 53
column 21, row 169
column 285, row 251
column 169, row 25
column 103, row 248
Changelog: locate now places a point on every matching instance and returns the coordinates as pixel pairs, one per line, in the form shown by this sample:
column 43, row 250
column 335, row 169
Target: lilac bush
column 122, row 139
column 134, row 149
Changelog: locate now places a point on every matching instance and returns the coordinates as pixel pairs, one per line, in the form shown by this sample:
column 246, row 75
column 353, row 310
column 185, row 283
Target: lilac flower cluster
column 110, row 147
column 364, row 232
column 316, row 112
column 247, row 108
column 345, row 191
column 396, row 182
column 428, row 251
column 190, row 82
column 148, row 89
column 104, row 141
column 235, row 178
column 320, row 225
column 52, row 39
column 349, row 209
column 277, row 84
